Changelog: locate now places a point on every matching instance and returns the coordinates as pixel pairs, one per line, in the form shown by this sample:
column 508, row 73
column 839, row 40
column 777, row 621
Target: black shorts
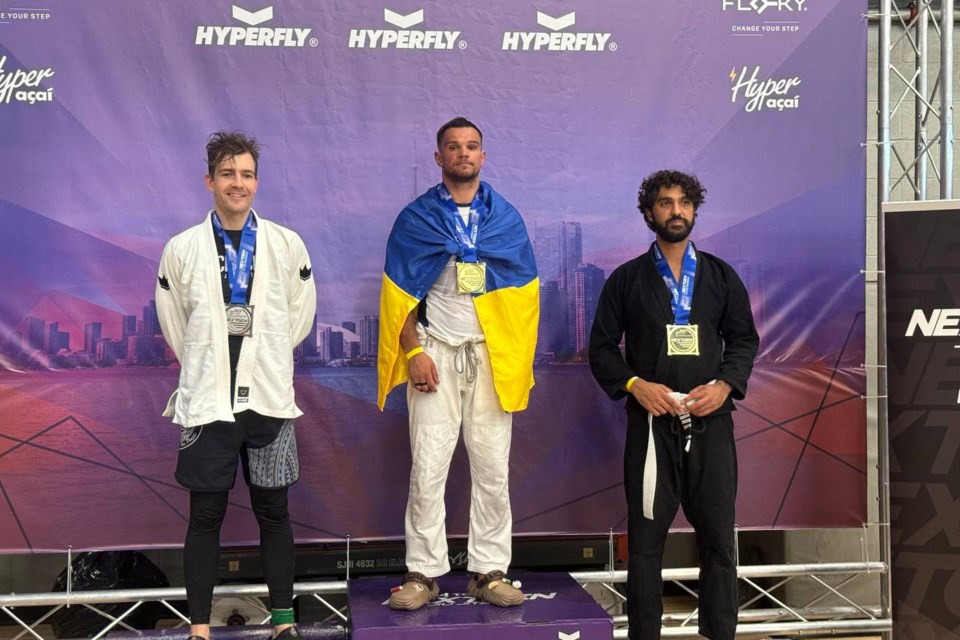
column 266, row 446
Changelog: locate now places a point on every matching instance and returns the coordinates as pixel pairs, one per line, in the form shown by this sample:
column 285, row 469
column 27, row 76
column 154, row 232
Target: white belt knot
column 467, row 360
column 650, row 464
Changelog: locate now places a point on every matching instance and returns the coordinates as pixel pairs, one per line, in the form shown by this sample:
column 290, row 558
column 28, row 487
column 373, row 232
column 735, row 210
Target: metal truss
column 842, row 615
column 250, row 594
column 897, row 84
column 905, row 29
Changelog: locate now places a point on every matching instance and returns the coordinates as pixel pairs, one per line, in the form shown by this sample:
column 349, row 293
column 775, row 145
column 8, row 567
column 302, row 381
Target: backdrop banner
column 105, row 107
column 923, row 336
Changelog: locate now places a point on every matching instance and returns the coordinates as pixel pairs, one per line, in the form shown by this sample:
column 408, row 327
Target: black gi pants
column 704, row 482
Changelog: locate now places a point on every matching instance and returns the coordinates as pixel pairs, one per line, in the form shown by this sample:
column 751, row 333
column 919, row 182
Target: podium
column 556, row 608
column 311, row 631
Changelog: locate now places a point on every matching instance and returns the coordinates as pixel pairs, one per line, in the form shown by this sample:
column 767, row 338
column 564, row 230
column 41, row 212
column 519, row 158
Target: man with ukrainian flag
column 458, row 321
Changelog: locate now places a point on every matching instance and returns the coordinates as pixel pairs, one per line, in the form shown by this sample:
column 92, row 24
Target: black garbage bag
column 108, row 570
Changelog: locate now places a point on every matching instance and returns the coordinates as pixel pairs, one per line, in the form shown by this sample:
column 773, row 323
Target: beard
column 668, row 234
column 461, row 176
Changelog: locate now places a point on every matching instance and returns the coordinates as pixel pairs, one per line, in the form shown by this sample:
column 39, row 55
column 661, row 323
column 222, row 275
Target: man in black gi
column 690, row 345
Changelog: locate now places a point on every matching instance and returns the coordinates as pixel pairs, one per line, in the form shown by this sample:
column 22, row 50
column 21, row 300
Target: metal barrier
column 806, row 619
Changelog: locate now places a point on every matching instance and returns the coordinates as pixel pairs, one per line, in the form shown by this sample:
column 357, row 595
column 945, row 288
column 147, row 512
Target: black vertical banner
column 923, row 357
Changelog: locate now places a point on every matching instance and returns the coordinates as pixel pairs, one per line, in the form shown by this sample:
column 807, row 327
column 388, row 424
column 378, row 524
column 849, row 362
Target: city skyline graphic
column 569, row 291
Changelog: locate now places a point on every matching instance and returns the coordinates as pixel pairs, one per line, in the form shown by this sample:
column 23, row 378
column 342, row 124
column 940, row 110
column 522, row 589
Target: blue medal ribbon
column 681, row 294
column 466, row 237
column 239, row 264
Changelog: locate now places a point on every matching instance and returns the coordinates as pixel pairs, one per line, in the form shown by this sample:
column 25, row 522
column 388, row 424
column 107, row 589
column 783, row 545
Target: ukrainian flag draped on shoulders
column 420, row 245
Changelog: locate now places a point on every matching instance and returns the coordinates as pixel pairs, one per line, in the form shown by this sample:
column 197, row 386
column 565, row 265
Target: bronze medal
column 240, row 319
column 683, row 340
column 471, row 277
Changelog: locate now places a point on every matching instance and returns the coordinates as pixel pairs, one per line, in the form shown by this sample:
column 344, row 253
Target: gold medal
column 683, row 340
column 240, row 319
column 471, row 277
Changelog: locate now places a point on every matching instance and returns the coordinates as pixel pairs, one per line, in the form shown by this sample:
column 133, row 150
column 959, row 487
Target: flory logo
column 404, row 37
column 556, row 39
column 761, row 6
column 773, row 93
column 23, row 85
column 254, row 35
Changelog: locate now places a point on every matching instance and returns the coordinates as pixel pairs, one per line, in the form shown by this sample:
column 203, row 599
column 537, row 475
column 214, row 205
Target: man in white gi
column 235, row 295
column 458, row 319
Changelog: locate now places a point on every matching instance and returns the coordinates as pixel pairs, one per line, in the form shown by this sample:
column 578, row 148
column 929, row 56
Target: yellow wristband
column 414, row 352
column 630, row 382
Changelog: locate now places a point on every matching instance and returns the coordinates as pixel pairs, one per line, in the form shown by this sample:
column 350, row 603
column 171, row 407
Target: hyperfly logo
column 404, row 37
column 556, row 39
column 254, row 35
column 772, row 93
column 24, row 85
column 761, row 6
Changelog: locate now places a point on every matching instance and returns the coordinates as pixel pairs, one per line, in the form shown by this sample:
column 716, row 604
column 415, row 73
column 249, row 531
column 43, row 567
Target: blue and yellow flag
column 420, row 245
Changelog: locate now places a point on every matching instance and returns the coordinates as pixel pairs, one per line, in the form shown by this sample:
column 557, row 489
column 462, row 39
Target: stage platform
column 556, row 608
column 313, row 631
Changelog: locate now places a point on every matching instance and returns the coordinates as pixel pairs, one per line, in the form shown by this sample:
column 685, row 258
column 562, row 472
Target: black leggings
column 201, row 550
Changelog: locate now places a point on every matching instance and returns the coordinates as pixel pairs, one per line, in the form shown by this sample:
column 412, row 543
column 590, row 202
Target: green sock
column 281, row 616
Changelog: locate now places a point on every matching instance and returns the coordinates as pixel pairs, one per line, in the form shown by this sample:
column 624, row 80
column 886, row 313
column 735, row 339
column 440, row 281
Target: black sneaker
column 290, row 633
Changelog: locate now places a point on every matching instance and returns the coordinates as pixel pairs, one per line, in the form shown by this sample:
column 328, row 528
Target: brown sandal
column 416, row 591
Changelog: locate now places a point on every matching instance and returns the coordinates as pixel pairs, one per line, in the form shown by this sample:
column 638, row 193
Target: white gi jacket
column 192, row 317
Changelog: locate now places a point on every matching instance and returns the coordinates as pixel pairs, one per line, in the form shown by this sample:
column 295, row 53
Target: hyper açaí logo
column 557, row 38
column 253, row 35
column 403, row 37
column 776, row 94
column 23, row 85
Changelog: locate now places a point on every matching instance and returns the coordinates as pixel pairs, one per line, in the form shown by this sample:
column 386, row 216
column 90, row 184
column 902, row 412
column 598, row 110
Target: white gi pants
column 464, row 396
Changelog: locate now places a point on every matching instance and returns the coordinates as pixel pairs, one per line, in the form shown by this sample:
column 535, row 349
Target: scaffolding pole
column 946, row 99
column 921, row 113
column 883, row 190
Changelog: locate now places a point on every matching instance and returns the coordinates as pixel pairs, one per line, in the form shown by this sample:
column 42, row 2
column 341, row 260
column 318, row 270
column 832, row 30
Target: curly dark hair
column 668, row 178
column 458, row 123
column 223, row 145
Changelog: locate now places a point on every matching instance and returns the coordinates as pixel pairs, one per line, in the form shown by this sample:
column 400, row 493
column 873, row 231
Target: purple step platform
column 313, row 631
column 556, row 608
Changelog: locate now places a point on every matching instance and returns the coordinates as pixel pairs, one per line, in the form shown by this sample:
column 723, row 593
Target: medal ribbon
column 681, row 295
column 466, row 237
column 239, row 264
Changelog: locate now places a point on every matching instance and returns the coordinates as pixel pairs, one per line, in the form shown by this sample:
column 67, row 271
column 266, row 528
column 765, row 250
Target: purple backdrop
column 104, row 110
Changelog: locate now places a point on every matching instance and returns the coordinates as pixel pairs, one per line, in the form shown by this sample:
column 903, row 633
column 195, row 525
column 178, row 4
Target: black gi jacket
column 635, row 305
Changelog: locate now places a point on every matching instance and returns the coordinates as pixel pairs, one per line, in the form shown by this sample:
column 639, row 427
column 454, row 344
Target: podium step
column 556, row 608
column 312, row 631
